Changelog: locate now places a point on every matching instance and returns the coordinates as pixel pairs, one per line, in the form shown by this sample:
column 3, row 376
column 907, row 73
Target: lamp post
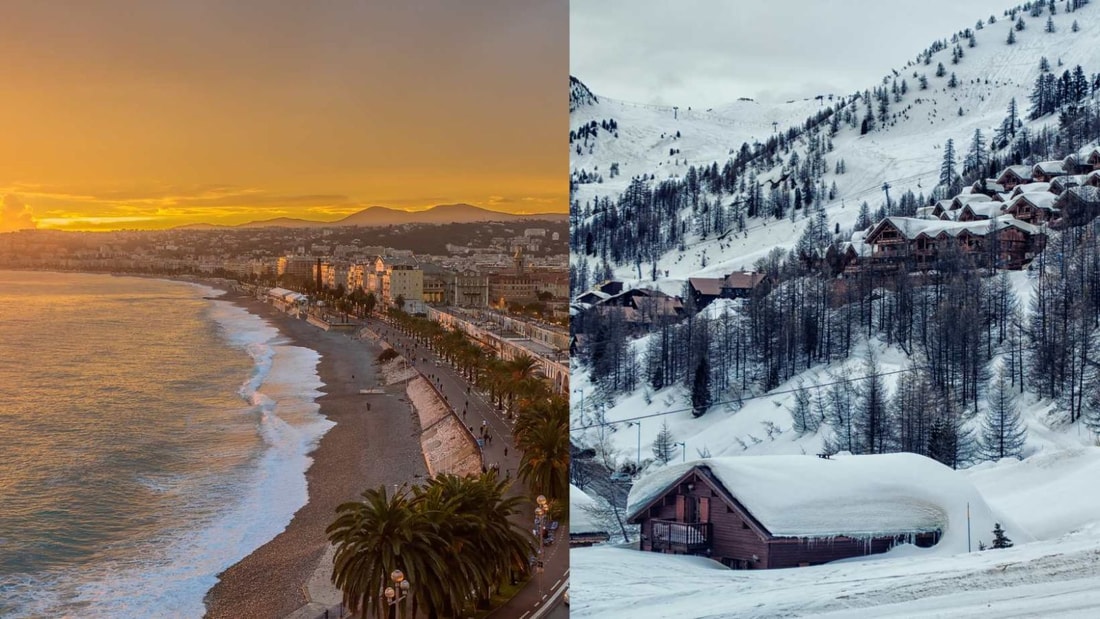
column 683, row 450
column 397, row 593
column 542, row 516
column 638, row 462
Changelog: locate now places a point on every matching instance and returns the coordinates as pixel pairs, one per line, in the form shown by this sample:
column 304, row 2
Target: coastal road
column 462, row 396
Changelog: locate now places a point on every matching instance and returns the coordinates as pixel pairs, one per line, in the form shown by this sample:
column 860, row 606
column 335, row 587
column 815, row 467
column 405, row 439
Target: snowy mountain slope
column 646, row 133
column 905, row 151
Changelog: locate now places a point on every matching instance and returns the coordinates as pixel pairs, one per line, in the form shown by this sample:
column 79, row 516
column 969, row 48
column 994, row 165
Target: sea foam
column 172, row 576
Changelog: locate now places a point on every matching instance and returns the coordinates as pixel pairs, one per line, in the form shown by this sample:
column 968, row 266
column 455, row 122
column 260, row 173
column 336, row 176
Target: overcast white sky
column 708, row 52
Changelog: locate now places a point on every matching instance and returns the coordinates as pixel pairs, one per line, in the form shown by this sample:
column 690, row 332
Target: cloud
column 14, row 215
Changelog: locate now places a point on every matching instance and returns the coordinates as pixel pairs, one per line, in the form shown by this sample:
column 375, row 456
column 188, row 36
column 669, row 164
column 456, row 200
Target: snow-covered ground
column 1049, row 496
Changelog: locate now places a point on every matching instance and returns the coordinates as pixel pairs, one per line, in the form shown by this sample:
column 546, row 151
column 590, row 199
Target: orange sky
column 122, row 114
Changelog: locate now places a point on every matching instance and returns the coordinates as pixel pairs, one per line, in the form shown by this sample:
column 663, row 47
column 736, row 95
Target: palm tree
column 542, row 432
column 377, row 535
column 452, row 537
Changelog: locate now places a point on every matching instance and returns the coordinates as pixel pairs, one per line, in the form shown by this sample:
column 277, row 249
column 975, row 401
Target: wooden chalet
column 643, row 309
column 1087, row 159
column 987, row 186
column 1033, row 208
column 980, row 211
column 1092, row 179
column 1014, row 175
column 1077, row 206
column 920, row 244
column 1061, row 183
column 592, row 297
column 1045, row 171
column 1020, row 190
column 765, row 512
column 736, row 285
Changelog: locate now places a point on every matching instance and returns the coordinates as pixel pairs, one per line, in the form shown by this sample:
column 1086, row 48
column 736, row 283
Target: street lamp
column 683, row 450
column 542, row 517
column 397, row 593
column 581, row 391
column 638, row 463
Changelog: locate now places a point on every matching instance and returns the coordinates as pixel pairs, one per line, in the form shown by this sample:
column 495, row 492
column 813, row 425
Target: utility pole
column 886, row 190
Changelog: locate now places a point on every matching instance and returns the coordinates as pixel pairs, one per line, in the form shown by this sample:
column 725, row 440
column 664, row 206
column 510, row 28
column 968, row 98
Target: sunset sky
column 152, row 114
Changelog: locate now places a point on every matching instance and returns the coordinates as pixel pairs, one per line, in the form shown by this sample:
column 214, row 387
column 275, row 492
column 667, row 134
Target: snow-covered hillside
column 904, row 150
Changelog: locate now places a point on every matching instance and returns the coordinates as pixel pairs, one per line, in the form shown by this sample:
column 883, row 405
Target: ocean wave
column 170, row 576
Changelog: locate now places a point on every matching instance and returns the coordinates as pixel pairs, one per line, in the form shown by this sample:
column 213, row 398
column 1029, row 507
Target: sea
column 151, row 435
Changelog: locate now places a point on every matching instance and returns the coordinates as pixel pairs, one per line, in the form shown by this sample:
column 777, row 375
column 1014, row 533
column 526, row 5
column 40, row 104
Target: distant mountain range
column 383, row 216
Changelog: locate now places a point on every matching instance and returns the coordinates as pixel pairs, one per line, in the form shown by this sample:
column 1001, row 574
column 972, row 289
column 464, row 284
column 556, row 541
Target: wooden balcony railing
column 681, row 536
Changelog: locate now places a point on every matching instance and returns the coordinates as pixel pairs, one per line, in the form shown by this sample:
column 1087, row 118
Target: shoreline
column 355, row 454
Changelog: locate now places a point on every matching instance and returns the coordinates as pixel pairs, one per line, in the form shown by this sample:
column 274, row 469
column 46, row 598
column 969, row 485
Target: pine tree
column 1044, row 64
column 871, row 414
column 1007, row 130
column 941, row 70
column 1002, row 433
column 802, row 414
column 1020, row 23
column 953, row 82
column 976, row 159
column 948, row 174
column 863, row 219
column 700, row 390
column 664, row 446
column 1000, row 540
column 923, row 80
column 1011, row 37
column 1050, row 24
column 1075, row 27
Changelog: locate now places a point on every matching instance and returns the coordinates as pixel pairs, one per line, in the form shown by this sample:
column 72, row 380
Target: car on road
column 621, row 476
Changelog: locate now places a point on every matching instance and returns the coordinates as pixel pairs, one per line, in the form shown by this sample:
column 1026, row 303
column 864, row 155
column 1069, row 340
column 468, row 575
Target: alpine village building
column 762, row 512
column 995, row 223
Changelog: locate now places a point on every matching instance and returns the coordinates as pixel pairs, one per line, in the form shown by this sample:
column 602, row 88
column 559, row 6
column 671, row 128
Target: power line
column 753, row 397
column 769, row 394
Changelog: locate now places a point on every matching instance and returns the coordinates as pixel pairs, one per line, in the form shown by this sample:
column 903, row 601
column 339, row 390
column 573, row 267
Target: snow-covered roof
column 1020, row 171
column 991, row 184
column 963, row 199
column 1029, row 188
column 1088, row 151
column 580, row 521
column 593, row 295
column 988, row 209
column 1038, row 199
column 912, row 227
column 1050, row 168
column 1085, row 193
column 807, row 496
column 1061, row 183
column 924, row 212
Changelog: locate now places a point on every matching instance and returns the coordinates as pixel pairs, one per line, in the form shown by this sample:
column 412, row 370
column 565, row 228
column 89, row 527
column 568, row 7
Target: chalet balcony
column 681, row 537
